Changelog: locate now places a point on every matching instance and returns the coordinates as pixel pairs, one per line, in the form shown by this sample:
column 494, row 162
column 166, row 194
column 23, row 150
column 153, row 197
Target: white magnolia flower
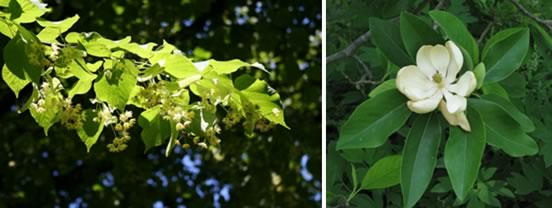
column 432, row 82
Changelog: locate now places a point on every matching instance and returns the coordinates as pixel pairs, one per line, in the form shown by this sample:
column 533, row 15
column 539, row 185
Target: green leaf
column 90, row 130
column 268, row 100
column 456, row 31
column 179, row 66
column 116, row 89
column 374, row 121
column 52, row 29
column 144, row 51
column 415, row 33
column 387, row 85
column 23, row 55
column 228, row 67
column 79, row 68
column 495, row 88
column 522, row 119
column 96, row 49
column 502, row 129
column 15, row 83
column 49, row 117
column 505, row 56
column 384, row 173
column 463, row 153
column 7, row 28
column 387, row 37
column 155, row 129
column 335, row 171
column 25, row 11
column 420, row 157
column 515, row 84
column 479, row 72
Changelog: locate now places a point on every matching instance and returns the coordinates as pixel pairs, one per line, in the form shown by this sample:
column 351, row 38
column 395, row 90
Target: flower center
column 438, row 79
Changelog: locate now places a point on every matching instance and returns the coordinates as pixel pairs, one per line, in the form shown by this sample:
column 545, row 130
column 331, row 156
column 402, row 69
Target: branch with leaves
column 178, row 99
column 545, row 22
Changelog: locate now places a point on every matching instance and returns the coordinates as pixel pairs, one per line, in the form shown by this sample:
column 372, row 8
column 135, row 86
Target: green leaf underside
column 155, row 129
column 15, row 83
column 502, row 130
column 374, row 121
column 463, row 153
column 18, row 53
column 456, row 31
column 387, row 37
column 90, row 130
column 384, row 173
column 506, row 55
column 415, row 33
column 116, row 89
column 420, row 157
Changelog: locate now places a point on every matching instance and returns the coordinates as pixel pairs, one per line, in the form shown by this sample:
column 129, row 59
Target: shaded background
column 279, row 169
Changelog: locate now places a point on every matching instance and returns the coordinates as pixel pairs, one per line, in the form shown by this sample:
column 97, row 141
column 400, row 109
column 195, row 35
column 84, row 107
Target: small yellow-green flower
column 432, row 83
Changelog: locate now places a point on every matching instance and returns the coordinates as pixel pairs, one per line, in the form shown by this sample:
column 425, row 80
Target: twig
column 484, row 33
column 349, row 50
column 365, row 67
column 547, row 23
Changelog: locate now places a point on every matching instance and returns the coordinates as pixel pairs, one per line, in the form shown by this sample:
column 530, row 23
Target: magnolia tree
column 184, row 101
column 445, row 89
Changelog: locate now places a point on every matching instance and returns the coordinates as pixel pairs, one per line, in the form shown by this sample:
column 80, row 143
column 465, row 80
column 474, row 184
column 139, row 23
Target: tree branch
column 350, row 50
column 545, row 22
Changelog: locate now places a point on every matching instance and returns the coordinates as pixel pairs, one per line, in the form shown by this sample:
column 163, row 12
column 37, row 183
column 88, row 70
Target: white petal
column 465, row 85
column 414, row 84
column 463, row 121
column 456, row 58
column 423, row 61
column 451, row 118
column 427, row 105
column 440, row 58
column 455, row 103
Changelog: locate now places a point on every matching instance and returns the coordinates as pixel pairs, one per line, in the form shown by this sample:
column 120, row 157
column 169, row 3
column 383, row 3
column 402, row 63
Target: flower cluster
column 232, row 118
column 48, row 96
column 71, row 116
column 123, row 125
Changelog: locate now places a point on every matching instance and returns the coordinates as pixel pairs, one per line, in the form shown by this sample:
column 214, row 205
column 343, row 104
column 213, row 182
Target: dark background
column 56, row 171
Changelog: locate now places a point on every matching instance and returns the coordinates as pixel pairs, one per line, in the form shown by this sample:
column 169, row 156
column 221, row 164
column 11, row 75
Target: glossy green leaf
column 479, row 73
column 384, row 173
column 522, row 119
column 387, row 37
column 116, row 89
column 387, row 85
column 456, row 31
column 15, row 83
column 502, row 129
column 374, row 121
column 463, row 153
column 420, row 157
column 90, row 130
column 495, row 88
column 505, row 56
column 155, row 129
column 415, row 33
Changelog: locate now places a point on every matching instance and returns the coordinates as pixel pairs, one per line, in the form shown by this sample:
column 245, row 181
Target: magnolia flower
column 432, row 83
